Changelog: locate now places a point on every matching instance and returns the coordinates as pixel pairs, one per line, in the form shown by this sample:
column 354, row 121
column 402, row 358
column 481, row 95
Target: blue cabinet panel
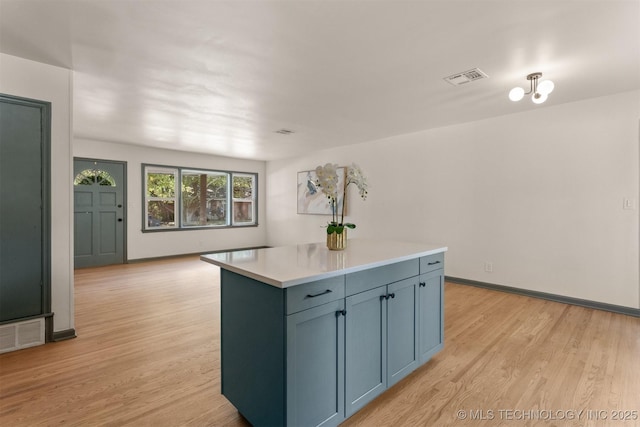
column 252, row 346
column 366, row 348
column 380, row 276
column 432, row 262
column 315, row 366
column 402, row 331
column 312, row 294
column 431, row 312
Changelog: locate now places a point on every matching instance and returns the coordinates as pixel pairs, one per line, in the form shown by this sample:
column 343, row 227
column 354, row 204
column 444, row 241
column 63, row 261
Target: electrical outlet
column 628, row 203
column 488, row 267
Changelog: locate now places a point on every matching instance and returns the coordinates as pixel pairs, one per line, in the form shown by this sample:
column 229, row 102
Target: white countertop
column 287, row 266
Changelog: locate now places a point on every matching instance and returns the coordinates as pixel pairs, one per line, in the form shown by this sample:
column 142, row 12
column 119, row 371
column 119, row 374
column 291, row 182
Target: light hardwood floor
column 148, row 354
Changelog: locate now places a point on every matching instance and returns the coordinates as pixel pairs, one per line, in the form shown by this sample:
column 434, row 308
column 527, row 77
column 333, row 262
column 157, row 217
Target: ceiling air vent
column 466, row 77
column 284, row 131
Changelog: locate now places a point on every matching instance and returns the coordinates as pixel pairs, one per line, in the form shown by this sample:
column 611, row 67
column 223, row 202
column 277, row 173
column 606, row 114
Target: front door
column 99, row 213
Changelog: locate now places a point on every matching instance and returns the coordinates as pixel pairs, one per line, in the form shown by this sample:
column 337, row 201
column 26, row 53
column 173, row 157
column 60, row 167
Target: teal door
column 24, row 208
column 99, row 212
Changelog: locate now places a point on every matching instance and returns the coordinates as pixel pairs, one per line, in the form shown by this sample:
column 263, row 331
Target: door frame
column 125, row 259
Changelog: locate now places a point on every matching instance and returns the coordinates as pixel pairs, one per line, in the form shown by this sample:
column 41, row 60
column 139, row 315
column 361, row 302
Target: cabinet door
column 315, row 366
column 366, row 348
column 431, row 311
column 402, row 331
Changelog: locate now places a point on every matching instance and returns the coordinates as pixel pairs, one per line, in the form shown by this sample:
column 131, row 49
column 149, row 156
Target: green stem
column 334, row 208
column 344, row 196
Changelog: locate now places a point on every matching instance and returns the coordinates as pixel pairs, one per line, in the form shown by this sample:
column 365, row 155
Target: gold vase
column 337, row 242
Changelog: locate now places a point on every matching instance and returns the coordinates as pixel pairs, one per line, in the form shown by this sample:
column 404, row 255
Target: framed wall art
column 311, row 199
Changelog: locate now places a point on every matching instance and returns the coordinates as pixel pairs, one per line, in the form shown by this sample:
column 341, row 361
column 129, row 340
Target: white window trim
column 251, row 199
column 147, row 199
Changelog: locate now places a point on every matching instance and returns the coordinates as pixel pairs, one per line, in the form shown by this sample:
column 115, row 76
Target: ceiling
column 223, row 77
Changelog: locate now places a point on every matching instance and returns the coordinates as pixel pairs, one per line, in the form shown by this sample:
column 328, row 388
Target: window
column 203, row 198
column 93, row 176
column 160, row 198
column 243, row 198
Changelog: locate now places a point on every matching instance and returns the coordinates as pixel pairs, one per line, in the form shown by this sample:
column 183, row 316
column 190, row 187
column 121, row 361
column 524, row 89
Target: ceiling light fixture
column 539, row 91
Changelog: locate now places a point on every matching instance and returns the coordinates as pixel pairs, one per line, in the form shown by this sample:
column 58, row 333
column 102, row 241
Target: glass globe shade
column 516, row 94
column 546, row 87
column 538, row 98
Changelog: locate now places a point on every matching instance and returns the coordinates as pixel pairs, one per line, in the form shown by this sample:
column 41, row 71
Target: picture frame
column 311, row 199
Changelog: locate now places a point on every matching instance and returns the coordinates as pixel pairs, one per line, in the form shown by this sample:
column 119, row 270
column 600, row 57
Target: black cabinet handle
column 119, row 219
column 328, row 291
column 422, row 284
column 341, row 312
column 384, row 297
column 392, row 295
column 433, row 263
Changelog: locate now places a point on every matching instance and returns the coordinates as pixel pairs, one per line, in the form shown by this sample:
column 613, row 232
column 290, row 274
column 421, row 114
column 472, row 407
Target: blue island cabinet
column 314, row 354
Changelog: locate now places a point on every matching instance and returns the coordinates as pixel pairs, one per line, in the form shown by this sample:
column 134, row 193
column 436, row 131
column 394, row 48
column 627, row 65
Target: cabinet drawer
column 312, row 294
column 362, row 281
column 431, row 262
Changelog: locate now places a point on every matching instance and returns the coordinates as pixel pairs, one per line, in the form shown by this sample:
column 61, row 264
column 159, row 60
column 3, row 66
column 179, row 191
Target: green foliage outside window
column 161, row 202
column 204, row 199
column 242, row 187
column 162, row 185
column 93, row 176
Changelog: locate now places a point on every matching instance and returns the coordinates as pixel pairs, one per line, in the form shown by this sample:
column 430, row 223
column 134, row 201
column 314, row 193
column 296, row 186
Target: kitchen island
column 309, row 336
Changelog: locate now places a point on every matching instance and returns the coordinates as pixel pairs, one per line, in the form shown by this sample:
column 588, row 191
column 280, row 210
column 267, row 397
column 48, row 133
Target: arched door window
column 93, row 177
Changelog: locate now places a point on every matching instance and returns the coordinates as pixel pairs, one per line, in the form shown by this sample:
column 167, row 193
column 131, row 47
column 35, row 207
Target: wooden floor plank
column 148, row 354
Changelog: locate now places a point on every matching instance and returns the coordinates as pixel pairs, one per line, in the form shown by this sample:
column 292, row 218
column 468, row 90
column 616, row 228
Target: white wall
column 538, row 194
column 156, row 244
column 28, row 79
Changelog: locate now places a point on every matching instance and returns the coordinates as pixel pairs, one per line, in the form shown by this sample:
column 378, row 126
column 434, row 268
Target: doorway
column 99, row 194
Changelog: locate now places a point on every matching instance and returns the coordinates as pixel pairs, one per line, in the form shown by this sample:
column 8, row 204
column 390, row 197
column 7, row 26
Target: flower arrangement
column 328, row 183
